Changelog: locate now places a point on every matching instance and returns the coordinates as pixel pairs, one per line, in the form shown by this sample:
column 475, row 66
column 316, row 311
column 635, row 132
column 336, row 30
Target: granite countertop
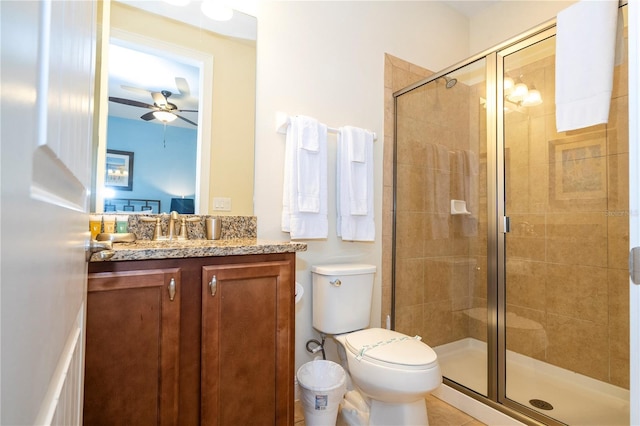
column 147, row 249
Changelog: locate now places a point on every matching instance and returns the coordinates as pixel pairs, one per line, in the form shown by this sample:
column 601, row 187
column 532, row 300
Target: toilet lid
column 390, row 347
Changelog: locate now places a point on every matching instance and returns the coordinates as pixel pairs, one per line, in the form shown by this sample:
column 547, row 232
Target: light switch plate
column 222, row 204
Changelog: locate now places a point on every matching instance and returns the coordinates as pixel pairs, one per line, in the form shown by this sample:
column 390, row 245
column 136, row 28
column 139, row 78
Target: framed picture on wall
column 119, row 170
column 578, row 167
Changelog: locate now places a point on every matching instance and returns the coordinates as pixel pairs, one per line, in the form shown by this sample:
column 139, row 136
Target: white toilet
column 393, row 370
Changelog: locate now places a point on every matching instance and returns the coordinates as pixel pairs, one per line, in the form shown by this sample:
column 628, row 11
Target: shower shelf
column 459, row 207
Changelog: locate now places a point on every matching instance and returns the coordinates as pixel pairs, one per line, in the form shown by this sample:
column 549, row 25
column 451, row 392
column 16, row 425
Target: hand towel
column 357, row 141
column 306, row 132
column 354, row 184
column 304, row 195
column 437, row 187
column 585, row 52
column 470, row 223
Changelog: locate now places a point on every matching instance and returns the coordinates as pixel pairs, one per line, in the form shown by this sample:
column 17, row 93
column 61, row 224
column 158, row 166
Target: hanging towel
column 354, row 184
column 304, row 194
column 585, row 51
column 437, row 187
column 470, row 223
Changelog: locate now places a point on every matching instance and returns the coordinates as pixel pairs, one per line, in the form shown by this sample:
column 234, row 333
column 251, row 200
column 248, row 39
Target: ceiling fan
column 162, row 109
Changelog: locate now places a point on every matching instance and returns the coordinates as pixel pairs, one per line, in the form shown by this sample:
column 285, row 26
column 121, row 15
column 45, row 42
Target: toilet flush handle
column 336, row 282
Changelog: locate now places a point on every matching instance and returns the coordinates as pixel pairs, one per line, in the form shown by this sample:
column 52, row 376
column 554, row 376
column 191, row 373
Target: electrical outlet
column 222, row 204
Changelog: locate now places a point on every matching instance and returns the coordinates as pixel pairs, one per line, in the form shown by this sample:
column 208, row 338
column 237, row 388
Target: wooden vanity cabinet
column 132, row 346
column 246, row 343
column 235, row 352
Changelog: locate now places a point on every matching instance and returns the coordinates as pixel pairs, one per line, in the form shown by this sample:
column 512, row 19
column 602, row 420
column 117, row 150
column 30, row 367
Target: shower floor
column 576, row 399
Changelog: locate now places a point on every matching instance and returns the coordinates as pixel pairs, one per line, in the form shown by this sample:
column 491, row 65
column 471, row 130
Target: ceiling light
column 164, row 116
column 216, row 10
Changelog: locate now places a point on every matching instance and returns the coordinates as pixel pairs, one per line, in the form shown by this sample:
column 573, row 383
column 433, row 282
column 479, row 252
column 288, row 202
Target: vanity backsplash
column 232, row 227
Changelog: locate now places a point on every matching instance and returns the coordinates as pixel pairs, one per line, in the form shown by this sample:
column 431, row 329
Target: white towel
column 438, row 191
column 304, row 194
column 357, row 141
column 306, row 133
column 354, row 184
column 470, row 223
column 585, row 52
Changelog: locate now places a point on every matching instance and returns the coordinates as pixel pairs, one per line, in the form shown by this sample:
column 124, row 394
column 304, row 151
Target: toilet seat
column 390, row 349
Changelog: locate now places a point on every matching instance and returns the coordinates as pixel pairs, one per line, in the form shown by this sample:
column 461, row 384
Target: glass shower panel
column 440, row 193
column 566, row 312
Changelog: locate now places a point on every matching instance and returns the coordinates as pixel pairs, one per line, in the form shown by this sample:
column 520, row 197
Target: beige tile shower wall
column 567, row 276
column 397, row 74
column 438, row 273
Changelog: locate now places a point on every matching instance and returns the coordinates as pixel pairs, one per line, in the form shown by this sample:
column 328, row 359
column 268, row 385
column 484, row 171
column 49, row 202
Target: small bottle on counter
column 109, row 224
column 95, row 225
column 122, row 224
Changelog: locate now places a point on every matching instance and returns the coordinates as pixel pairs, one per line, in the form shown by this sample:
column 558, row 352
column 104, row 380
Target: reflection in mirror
column 206, row 82
column 153, row 112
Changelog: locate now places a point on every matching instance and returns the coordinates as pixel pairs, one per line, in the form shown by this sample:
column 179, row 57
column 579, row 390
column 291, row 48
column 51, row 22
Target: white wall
column 326, row 60
column 507, row 19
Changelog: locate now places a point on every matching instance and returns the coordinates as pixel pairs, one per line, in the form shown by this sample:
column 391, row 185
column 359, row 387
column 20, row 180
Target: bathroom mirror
column 224, row 112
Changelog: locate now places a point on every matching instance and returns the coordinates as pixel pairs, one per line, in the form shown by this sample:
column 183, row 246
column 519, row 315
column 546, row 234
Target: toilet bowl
column 392, row 370
column 395, row 371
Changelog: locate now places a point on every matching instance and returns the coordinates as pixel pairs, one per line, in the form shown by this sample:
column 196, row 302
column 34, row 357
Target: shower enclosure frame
column 497, row 223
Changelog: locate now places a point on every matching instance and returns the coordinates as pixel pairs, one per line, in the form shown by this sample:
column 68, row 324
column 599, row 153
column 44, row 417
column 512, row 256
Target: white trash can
column 322, row 386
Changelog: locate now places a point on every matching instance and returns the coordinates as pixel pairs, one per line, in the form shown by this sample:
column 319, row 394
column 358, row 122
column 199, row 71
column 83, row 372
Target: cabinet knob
column 213, row 285
column 172, row 289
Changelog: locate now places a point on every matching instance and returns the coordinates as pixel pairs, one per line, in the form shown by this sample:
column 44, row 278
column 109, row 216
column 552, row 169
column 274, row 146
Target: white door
column 634, row 201
column 47, row 55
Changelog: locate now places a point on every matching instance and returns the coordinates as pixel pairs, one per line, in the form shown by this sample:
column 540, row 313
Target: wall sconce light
column 520, row 94
column 533, row 98
column 164, row 116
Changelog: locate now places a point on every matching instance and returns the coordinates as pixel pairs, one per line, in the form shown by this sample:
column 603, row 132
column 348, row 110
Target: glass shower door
column 564, row 279
column 441, row 220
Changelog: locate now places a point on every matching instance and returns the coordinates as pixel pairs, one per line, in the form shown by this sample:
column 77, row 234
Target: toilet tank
column 342, row 297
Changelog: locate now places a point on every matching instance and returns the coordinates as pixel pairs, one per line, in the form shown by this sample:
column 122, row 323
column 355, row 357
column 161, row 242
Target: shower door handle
column 634, row 265
column 506, row 224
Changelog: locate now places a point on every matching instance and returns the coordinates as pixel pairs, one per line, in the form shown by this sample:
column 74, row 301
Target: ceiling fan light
column 164, row 116
column 216, row 10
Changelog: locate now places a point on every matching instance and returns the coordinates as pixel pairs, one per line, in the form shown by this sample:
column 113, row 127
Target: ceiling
column 470, row 8
column 135, row 75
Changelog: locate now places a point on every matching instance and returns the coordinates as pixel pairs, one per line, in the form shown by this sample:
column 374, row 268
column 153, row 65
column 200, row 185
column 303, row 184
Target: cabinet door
column 131, row 366
column 247, row 344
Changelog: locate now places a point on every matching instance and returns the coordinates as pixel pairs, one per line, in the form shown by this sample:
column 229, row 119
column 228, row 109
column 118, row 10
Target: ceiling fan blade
column 183, row 87
column 131, row 102
column 186, row 110
column 136, row 90
column 187, row 120
column 148, row 116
